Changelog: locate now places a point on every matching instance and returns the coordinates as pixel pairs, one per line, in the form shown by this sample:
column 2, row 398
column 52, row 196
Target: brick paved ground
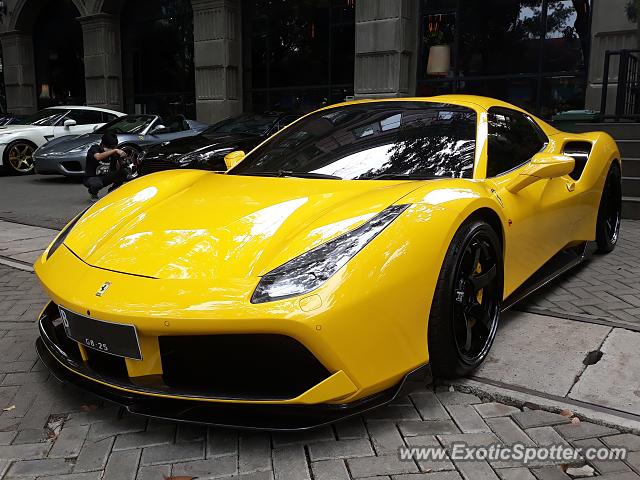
column 55, row 432
column 605, row 286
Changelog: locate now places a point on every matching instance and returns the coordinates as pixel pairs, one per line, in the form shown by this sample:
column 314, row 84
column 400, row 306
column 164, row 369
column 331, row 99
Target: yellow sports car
column 333, row 262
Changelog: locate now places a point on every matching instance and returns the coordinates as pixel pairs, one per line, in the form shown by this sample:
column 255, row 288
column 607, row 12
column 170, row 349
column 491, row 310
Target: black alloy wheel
column 610, row 211
column 467, row 301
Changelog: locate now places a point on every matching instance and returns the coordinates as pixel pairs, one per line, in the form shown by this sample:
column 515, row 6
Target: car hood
column 199, row 225
column 199, row 144
column 66, row 144
column 18, row 129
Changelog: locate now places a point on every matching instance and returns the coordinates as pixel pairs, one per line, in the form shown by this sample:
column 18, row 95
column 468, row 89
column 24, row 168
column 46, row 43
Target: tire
column 610, row 211
column 18, row 158
column 464, row 319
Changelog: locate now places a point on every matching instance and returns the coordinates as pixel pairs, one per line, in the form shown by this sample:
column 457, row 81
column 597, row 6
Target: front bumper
column 58, row 165
column 146, row 397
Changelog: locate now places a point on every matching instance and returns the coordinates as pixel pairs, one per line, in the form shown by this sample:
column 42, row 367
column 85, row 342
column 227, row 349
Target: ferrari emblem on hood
column 103, row 289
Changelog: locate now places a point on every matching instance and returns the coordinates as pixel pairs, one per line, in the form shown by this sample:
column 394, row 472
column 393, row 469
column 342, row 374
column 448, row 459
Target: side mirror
column 70, row 123
column 542, row 165
column 157, row 129
column 234, row 158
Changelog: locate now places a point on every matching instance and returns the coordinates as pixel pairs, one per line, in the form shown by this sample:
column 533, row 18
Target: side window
column 108, row 117
column 513, row 140
column 85, row 117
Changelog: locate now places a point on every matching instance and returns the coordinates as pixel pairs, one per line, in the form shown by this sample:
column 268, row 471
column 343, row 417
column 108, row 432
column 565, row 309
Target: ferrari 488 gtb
column 351, row 249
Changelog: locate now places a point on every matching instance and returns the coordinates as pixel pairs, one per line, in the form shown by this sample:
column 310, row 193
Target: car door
column 85, row 122
column 540, row 216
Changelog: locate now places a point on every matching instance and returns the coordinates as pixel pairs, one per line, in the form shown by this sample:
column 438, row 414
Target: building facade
column 211, row 59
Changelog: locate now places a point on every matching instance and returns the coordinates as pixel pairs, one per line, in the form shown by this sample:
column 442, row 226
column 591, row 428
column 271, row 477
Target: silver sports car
column 67, row 155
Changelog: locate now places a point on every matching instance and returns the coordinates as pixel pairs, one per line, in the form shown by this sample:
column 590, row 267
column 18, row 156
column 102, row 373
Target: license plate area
column 116, row 339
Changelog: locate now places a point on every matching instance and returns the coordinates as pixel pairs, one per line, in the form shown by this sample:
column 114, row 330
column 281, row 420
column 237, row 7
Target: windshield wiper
column 289, row 173
column 401, row 176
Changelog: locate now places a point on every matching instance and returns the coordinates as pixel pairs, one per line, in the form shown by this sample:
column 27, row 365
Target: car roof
column 84, row 107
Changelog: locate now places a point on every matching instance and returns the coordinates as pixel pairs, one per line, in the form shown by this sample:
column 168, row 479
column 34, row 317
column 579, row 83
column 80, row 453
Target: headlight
column 308, row 271
column 62, row 236
column 81, row 148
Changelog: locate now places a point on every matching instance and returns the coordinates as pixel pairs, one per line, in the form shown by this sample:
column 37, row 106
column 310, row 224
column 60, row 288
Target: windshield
column 129, row 124
column 367, row 141
column 45, row 118
column 251, row 124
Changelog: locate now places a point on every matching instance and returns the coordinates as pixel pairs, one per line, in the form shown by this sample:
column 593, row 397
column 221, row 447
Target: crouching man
column 97, row 178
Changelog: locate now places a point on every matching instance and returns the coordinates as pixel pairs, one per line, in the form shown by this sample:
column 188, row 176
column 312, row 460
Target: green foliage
column 631, row 8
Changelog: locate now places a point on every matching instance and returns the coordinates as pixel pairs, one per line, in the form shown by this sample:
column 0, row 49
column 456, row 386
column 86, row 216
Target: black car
column 207, row 150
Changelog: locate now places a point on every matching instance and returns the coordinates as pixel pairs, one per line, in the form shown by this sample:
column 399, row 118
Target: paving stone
column 221, row 441
column 7, row 437
column 429, row 406
column 457, row 398
column 115, row 427
column 603, row 467
column 329, row 470
column 304, row 437
column 255, row 453
column 180, row 452
column 93, row 455
column 36, row 468
column 519, row 473
column 430, row 465
column 213, row 467
column 153, row 472
column 584, row 430
column 30, row 435
column 351, row 428
column 73, row 476
column 427, row 427
column 494, row 409
column 476, row 471
column 620, row 476
column 428, row 476
column 122, row 465
column 290, row 463
column 625, row 440
column 340, row 449
column 545, row 436
column 191, row 433
column 538, row 418
column 134, row 440
column 508, row 431
column 633, row 460
column 550, row 473
column 385, row 437
column 24, row 452
column 467, row 419
column 69, row 442
column 391, row 412
column 376, row 466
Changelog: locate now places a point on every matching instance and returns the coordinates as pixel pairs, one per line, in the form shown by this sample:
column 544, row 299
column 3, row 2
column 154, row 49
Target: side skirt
column 560, row 263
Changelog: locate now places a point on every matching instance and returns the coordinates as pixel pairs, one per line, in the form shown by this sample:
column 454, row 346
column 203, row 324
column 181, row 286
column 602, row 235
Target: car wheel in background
column 610, row 211
column 18, row 157
column 466, row 305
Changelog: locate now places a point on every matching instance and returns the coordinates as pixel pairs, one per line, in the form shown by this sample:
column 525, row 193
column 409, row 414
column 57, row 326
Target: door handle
column 571, row 186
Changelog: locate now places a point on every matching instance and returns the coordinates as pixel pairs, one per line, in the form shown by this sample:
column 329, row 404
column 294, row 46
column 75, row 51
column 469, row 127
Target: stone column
column 386, row 48
column 217, row 58
column 19, row 72
column 102, row 60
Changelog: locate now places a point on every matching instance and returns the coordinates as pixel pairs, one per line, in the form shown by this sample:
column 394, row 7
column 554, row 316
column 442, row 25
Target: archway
column 58, row 52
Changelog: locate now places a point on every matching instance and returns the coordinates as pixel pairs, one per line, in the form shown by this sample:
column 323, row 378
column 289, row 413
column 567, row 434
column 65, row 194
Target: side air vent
column 580, row 151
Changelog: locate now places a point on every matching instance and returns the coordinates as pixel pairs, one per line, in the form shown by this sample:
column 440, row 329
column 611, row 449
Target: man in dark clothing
column 94, row 179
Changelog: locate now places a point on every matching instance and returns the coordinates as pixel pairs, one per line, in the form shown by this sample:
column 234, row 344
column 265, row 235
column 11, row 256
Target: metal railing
column 628, row 92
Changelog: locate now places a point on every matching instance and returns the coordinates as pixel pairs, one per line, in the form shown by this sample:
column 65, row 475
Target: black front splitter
column 235, row 415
